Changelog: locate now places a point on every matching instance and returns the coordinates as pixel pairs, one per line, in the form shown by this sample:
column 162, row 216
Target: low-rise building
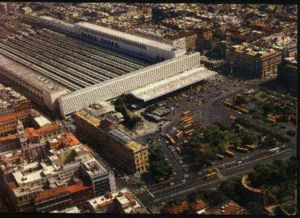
column 122, row 201
column 228, row 209
column 9, row 122
column 67, row 177
column 68, row 210
column 11, row 101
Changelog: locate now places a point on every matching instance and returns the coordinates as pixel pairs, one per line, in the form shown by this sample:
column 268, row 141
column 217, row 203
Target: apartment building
column 252, row 62
column 12, row 102
column 68, row 177
column 113, row 142
column 122, row 201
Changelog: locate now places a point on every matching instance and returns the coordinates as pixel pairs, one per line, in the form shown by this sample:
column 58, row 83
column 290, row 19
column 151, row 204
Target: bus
column 187, row 126
column 179, row 134
column 186, row 113
column 240, row 149
column 227, row 103
column 251, row 147
column 170, row 139
column 178, row 150
column 189, row 132
column 229, row 153
column 211, row 175
column 274, row 149
column 187, row 119
column 220, row 156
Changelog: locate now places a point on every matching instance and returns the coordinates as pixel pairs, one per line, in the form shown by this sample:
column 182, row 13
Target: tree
column 239, row 100
column 270, row 141
column 248, row 137
column 131, row 119
column 159, row 167
column 214, row 197
column 256, row 208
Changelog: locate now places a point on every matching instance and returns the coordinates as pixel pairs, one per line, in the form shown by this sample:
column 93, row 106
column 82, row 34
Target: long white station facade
column 86, row 68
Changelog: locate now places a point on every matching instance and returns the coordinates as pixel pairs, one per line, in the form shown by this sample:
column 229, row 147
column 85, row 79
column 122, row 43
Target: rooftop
column 46, row 129
column 126, row 199
column 171, row 84
column 68, row 210
column 29, row 75
column 125, row 36
column 89, row 118
column 253, row 51
column 9, row 98
column 42, row 121
column 135, row 146
column 14, row 116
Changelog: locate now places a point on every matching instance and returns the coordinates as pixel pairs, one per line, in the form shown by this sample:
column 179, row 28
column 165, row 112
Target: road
column 177, row 191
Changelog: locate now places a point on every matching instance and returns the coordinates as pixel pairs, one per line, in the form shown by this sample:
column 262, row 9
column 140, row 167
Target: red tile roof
column 14, row 116
column 69, row 139
column 48, row 128
column 106, row 203
column 49, row 193
column 76, row 188
column 31, row 133
column 130, row 198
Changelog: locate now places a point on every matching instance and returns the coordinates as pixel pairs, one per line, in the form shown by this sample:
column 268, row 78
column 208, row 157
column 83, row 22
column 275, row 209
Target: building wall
column 113, row 148
column 19, row 106
column 109, row 40
column 253, row 66
column 36, row 93
column 287, row 75
column 10, row 127
column 117, row 86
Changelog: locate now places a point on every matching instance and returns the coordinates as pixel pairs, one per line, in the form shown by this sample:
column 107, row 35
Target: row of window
column 120, row 39
column 108, row 91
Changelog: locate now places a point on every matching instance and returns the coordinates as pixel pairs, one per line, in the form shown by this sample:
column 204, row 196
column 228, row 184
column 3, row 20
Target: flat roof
column 171, row 84
column 126, row 36
column 89, row 118
column 135, row 146
column 42, row 121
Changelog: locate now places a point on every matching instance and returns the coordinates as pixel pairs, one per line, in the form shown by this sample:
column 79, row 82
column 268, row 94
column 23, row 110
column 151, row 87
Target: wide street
column 177, row 191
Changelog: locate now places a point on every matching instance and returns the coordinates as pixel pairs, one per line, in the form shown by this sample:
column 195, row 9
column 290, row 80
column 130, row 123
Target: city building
column 68, row 210
column 33, row 144
column 67, row 177
column 253, row 62
column 62, row 197
column 288, row 73
column 122, row 201
column 113, row 142
column 8, row 123
column 71, row 76
column 228, row 209
column 3, row 7
column 12, row 101
column 13, row 107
